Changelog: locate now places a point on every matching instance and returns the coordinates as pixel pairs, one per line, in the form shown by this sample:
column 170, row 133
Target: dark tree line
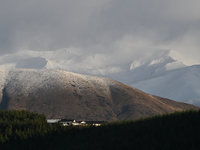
column 26, row 130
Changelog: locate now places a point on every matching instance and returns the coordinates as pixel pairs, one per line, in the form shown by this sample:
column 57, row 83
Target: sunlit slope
column 62, row 94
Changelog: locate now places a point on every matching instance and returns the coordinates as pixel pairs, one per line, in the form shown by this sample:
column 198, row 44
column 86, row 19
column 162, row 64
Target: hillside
column 62, row 94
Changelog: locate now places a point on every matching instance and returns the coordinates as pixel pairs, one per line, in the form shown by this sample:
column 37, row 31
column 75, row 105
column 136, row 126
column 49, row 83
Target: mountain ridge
column 63, row 94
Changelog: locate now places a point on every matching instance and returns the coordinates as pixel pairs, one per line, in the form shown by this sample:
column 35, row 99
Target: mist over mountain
column 158, row 72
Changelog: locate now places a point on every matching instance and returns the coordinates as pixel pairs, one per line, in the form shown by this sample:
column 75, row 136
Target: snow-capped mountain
column 148, row 66
column 63, row 94
column 158, row 72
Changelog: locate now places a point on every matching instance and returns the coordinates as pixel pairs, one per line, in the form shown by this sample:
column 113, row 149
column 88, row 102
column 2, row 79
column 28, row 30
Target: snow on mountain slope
column 63, row 94
column 181, row 85
column 147, row 66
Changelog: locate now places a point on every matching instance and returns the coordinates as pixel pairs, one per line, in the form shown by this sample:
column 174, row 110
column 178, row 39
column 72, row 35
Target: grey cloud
column 45, row 25
column 95, row 26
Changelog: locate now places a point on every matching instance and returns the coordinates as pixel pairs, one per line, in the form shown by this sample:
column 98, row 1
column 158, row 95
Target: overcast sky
column 101, row 26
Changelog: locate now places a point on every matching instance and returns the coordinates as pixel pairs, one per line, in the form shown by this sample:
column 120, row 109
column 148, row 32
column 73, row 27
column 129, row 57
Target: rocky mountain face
column 62, row 94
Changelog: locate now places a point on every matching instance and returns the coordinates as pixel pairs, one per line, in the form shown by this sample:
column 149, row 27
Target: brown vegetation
column 81, row 97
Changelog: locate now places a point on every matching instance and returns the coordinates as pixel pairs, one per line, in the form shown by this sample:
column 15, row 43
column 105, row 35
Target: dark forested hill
column 22, row 130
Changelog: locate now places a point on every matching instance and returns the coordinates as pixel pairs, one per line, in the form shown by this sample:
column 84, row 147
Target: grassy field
column 26, row 130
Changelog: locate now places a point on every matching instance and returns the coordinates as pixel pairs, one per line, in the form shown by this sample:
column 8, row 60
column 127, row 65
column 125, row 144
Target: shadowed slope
column 62, row 94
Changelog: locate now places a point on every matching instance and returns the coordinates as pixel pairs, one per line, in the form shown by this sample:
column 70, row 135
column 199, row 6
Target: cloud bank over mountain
column 101, row 26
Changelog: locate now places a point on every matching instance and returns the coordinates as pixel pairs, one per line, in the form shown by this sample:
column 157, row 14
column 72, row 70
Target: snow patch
column 135, row 64
column 174, row 65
